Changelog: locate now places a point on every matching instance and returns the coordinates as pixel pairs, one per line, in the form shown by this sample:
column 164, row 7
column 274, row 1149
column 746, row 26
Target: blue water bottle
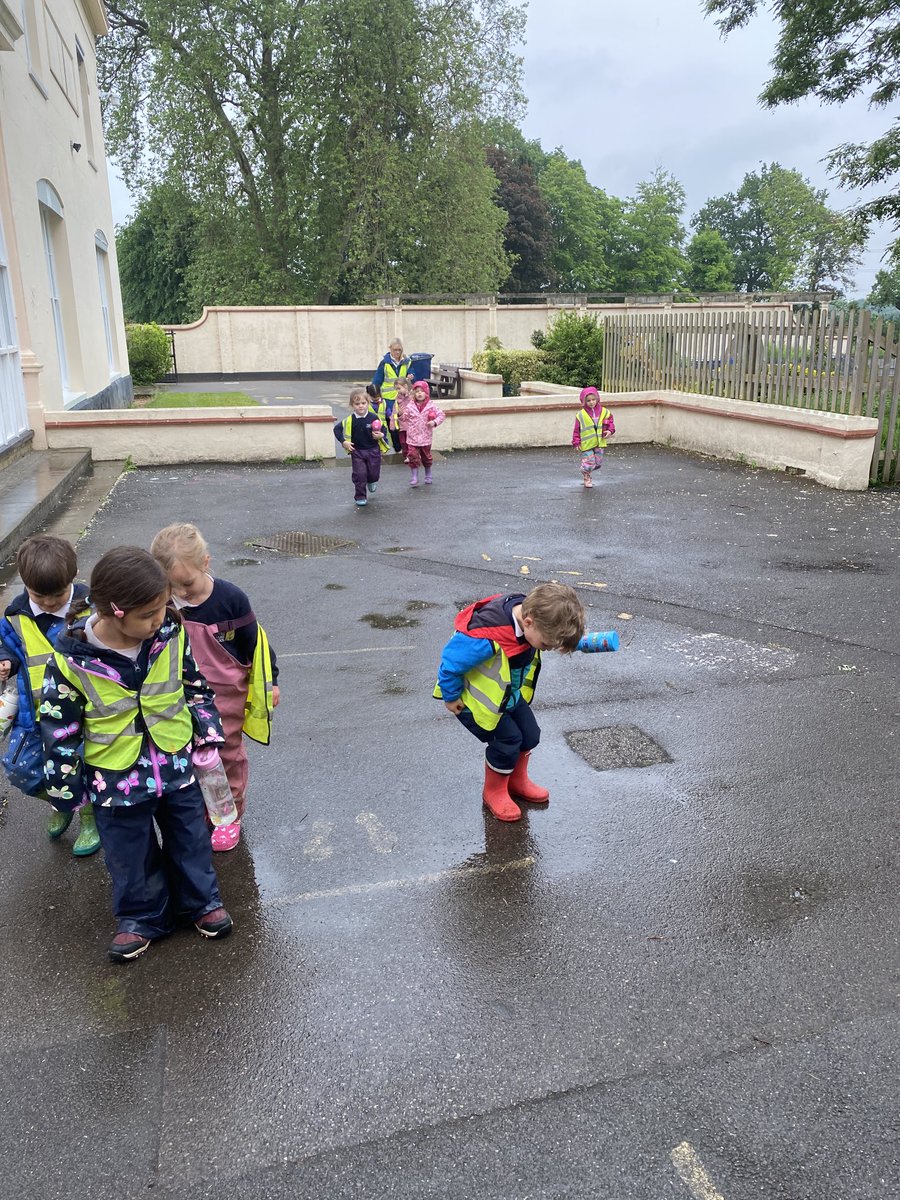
column 597, row 643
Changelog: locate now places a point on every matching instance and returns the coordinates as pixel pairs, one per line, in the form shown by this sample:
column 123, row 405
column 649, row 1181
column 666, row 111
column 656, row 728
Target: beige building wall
column 55, row 212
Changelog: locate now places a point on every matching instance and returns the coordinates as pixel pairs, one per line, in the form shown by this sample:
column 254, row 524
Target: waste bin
column 420, row 366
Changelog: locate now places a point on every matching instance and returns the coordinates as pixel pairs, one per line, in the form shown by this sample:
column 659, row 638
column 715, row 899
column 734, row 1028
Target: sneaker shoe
column 215, row 924
column 226, row 837
column 126, row 946
column 58, row 824
column 373, row 487
column 361, row 503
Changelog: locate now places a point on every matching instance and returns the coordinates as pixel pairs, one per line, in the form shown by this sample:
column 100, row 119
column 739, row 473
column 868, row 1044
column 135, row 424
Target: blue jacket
column 12, row 648
column 466, row 650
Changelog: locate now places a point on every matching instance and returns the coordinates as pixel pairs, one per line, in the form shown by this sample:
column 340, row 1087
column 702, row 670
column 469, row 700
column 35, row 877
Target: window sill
column 40, row 87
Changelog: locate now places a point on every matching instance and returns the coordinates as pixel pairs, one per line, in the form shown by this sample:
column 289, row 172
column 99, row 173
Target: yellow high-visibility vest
column 383, row 444
column 259, row 708
column 115, row 717
column 392, row 372
column 38, row 652
column 591, row 431
column 486, row 687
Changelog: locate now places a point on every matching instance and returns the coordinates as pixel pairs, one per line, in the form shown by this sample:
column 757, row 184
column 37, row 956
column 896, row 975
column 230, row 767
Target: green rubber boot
column 59, row 823
column 88, row 840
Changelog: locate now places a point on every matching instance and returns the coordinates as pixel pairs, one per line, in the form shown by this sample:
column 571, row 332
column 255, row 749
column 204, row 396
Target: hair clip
column 117, row 612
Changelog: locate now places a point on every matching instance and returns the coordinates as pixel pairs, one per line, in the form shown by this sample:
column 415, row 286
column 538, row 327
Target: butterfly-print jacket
column 62, row 715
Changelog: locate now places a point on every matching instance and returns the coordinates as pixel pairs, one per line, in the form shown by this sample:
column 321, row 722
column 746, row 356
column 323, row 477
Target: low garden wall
column 832, row 449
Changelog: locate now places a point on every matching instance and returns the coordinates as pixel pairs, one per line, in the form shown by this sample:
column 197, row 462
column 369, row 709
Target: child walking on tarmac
column 422, row 417
column 362, row 434
column 487, row 677
column 593, row 425
column 28, row 634
column 124, row 707
column 231, row 650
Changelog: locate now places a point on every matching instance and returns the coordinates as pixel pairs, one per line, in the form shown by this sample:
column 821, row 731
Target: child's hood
column 487, row 619
column 589, row 397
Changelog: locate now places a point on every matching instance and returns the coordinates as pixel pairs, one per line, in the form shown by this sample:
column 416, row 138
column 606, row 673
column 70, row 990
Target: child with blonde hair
column 230, row 648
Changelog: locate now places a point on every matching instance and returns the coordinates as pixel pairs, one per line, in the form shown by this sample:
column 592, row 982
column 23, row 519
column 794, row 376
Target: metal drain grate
column 615, row 746
column 304, row 545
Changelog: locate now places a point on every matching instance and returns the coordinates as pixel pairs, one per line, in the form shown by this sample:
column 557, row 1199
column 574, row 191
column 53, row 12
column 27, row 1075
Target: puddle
column 335, row 587
column 243, row 562
column 420, row 605
column 383, row 621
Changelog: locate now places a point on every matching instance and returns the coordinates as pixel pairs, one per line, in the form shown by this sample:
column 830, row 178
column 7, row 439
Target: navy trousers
column 154, row 886
column 365, row 467
column 517, row 733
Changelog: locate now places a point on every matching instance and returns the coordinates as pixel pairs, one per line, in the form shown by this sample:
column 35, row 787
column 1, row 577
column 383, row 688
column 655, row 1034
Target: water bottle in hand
column 596, row 643
column 9, row 707
column 214, row 785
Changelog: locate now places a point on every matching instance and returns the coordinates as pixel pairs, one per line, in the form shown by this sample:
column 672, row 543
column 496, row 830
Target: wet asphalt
column 679, row 980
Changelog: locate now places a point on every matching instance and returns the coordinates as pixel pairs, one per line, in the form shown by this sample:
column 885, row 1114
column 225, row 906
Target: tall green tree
column 651, row 258
column 782, row 233
column 710, row 264
column 156, row 249
column 527, row 235
column 886, row 288
column 585, row 223
column 308, row 132
column 836, row 49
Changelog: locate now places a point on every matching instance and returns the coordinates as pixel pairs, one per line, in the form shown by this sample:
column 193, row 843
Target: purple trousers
column 366, row 468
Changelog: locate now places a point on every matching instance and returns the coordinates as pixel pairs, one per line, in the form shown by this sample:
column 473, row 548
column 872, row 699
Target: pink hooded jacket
column 416, row 416
column 590, row 400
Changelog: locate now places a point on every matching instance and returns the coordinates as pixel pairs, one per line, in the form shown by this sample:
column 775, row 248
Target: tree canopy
column 836, row 49
column 321, row 143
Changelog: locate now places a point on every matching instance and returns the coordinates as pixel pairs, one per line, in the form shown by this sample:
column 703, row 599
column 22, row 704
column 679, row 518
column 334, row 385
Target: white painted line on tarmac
column 693, row 1174
column 385, row 885
column 363, row 650
column 382, row 839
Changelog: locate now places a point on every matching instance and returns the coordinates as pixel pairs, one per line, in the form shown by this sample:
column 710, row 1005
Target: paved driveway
column 680, row 980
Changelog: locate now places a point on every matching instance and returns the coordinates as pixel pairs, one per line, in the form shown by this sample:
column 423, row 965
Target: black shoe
column 215, row 924
column 126, row 946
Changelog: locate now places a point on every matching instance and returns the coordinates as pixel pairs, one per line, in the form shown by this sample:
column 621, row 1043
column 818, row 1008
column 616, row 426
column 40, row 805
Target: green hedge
column 573, row 346
column 513, row 365
column 148, row 352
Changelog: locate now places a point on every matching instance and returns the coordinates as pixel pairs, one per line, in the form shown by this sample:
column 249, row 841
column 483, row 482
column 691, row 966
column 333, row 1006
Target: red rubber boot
column 521, row 786
column 496, row 796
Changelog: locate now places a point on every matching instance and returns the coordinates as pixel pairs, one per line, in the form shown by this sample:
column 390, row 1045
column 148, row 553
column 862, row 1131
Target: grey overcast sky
column 627, row 87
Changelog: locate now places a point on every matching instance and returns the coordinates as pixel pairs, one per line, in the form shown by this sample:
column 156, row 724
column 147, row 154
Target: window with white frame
column 51, row 217
column 13, row 416
column 85, row 96
column 102, row 247
column 33, row 47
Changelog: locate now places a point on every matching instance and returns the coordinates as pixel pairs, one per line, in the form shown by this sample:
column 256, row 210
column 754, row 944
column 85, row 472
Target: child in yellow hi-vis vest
column 124, row 709
column 593, row 425
column 231, row 650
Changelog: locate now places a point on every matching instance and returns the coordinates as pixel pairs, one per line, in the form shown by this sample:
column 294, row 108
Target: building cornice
column 10, row 29
column 95, row 11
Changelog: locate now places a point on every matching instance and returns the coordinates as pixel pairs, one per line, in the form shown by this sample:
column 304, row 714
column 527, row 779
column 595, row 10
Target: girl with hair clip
column 232, row 651
column 124, row 706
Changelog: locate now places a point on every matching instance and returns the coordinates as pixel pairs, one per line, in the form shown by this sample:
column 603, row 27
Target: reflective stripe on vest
column 591, row 431
column 114, row 714
column 383, row 445
column 486, row 688
column 38, row 652
column 392, row 372
column 258, row 710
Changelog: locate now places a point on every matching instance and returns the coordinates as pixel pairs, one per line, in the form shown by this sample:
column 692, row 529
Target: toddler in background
column 422, row 416
column 593, row 425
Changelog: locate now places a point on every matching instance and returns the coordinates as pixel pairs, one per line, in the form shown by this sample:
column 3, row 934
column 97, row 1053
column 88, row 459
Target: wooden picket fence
column 841, row 362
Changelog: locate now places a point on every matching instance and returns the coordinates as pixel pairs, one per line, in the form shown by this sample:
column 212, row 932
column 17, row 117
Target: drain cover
column 615, row 746
column 303, row 544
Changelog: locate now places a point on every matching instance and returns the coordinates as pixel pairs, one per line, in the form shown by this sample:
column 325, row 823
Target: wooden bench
column 446, row 382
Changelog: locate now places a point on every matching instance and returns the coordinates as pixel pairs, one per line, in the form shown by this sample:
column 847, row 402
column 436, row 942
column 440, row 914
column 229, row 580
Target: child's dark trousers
column 416, row 455
column 154, row 887
column 517, row 733
column 366, row 468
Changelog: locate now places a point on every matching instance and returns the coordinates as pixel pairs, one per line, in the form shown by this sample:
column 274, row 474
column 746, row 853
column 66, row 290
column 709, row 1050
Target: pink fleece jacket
column 418, row 410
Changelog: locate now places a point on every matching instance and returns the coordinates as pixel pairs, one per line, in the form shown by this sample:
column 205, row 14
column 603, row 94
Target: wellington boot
column 414, row 477
column 59, row 823
column 521, row 786
column 496, row 796
column 88, row 840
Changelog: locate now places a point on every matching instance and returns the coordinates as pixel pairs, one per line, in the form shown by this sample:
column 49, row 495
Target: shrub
column 148, row 352
column 513, row 365
column 573, row 348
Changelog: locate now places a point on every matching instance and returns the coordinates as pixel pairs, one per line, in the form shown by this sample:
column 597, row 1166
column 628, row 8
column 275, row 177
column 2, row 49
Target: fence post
column 860, row 361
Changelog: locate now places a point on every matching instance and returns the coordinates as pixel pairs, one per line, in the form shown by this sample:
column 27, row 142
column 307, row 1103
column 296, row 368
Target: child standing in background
column 593, row 425
column 28, row 635
column 404, row 388
column 362, row 434
column 124, row 707
column 230, row 649
column 422, row 416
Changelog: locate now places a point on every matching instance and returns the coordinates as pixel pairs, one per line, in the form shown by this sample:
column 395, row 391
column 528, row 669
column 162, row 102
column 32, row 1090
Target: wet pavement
column 679, row 980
